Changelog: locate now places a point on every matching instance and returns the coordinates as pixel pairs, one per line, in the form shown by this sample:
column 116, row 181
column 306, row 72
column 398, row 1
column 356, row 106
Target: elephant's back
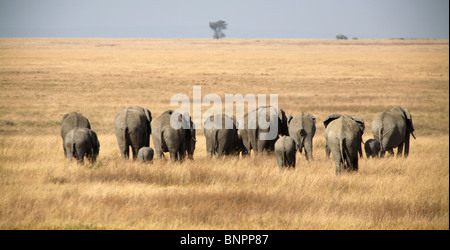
column 129, row 118
column 343, row 127
column 384, row 122
column 74, row 120
column 77, row 136
column 302, row 122
column 81, row 135
column 162, row 129
column 145, row 152
column 285, row 143
column 161, row 121
column 120, row 119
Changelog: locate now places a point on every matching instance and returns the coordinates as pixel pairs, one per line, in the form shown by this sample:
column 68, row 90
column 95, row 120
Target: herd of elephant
column 343, row 134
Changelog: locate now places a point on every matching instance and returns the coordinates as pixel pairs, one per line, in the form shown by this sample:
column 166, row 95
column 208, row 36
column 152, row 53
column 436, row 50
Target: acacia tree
column 218, row 26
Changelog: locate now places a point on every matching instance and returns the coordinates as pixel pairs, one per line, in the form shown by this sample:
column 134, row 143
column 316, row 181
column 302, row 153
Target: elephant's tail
column 126, row 136
column 302, row 136
column 72, row 151
column 216, row 142
column 342, row 150
column 380, row 136
column 284, row 159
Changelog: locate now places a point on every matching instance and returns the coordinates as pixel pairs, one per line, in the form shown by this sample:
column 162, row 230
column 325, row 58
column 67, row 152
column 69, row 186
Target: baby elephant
column 81, row 142
column 372, row 148
column 145, row 154
column 285, row 152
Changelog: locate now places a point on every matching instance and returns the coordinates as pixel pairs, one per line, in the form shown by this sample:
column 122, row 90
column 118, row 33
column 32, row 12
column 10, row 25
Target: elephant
column 145, row 154
column 132, row 128
column 285, row 149
column 81, row 142
column 258, row 138
column 372, row 148
column 70, row 121
column 392, row 128
column 343, row 135
column 302, row 128
column 221, row 139
column 176, row 141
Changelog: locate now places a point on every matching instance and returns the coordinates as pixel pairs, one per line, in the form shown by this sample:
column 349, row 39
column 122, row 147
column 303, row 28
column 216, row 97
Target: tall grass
column 42, row 79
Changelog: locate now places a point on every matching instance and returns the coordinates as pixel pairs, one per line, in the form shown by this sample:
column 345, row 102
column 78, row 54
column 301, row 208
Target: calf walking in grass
column 285, row 152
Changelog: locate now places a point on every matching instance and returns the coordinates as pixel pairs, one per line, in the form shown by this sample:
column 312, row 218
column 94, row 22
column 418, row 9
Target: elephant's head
column 409, row 122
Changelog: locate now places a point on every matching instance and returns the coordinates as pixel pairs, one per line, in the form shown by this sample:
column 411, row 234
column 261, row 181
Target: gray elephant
column 71, row 121
column 372, row 148
column 80, row 143
column 145, row 154
column 285, row 149
column 392, row 128
column 343, row 135
column 302, row 128
column 262, row 139
column 177, row 140
column 222, row 136
column 132, row 128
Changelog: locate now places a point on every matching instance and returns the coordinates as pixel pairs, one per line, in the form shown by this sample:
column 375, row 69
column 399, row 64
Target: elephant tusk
column 194, row 139
column 413, row 135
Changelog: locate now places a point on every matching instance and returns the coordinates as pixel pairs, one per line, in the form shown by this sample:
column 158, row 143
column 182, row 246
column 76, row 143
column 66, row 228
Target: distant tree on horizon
column 341, row 37
column 218, row 26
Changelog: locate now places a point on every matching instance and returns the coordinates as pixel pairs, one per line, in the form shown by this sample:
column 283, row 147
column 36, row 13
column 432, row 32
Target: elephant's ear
column 148, row 114
column 360, row 122
column 284, row 122
column 282, row 115
column 409, row 118
column 233, row 117
column 190, row 128
column 235, row 122
column 64, row 117
column 188, row 124
column 208, row 122
column 94, row 141
column 289, row 119
column 330, row 118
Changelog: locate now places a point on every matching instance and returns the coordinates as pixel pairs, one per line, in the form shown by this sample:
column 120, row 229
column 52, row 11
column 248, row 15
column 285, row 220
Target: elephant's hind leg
column 173, row 155
column 338, row 162
column 400, row 150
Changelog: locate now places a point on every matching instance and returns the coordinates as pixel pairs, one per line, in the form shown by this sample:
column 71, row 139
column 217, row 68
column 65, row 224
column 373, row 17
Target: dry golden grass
column 42, row 79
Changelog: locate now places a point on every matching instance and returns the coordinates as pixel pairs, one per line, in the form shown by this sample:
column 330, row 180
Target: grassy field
column 43, row 79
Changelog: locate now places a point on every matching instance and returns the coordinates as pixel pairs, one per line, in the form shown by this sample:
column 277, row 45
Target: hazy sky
column 246, row 18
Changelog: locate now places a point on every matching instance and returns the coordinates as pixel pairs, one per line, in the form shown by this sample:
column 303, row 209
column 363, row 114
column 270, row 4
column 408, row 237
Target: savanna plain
column 43, row 79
